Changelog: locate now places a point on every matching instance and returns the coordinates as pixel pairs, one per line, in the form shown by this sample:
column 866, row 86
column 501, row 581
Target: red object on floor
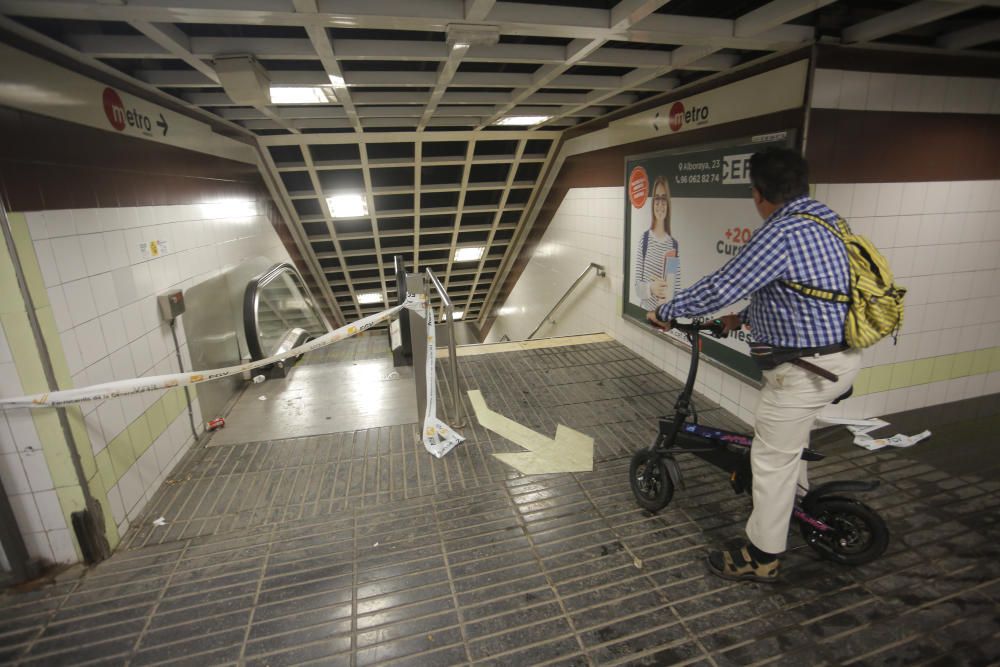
column 218, row 422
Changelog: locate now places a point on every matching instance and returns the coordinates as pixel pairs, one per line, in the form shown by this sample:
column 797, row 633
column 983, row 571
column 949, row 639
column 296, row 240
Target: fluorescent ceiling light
column 458, row 314
column 300, row 95
column 370, row 297
column 522, row 120
column 350, row 205
column 469, row 254
column 337, row 81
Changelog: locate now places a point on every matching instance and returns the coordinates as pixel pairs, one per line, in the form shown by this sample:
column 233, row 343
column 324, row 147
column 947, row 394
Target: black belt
column 768, row 357
column 820, row 351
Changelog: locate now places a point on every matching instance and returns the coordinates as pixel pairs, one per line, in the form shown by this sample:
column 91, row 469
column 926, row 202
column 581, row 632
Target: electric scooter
column 839, row 528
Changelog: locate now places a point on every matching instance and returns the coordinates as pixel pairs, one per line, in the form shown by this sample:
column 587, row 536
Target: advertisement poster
column 687, row 212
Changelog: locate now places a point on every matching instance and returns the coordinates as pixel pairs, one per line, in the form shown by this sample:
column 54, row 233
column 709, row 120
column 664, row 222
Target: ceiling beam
column 904, row 18
column 426, row 15
column 176, row 43
column 764, row 19
column 718, row 33
column 774, row 13
column 338, row 252
column 627, row 13
column 279, row 192
column 173, row 40
column 478, row 10
column 320, row 41
column 622, row 17
column 983, row 33
column 446, row 72
column 370, row 197
column 136, row 47
column 470, row 151
column 511, row 174
column 418, row 156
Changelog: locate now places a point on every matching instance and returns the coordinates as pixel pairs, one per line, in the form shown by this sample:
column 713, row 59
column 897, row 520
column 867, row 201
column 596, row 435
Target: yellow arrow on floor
column 571, row 451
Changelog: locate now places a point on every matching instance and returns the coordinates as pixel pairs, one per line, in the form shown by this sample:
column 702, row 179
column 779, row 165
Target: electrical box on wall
column 171, row 304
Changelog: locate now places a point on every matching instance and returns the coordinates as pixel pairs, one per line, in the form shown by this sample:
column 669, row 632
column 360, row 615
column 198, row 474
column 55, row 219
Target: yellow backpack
column 875, row 304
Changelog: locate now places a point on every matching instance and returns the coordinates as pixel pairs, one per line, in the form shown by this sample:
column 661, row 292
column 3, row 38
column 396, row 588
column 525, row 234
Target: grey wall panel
column 213, row 324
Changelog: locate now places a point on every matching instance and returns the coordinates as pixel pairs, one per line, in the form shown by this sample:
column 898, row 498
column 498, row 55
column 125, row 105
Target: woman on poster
column 657, row 258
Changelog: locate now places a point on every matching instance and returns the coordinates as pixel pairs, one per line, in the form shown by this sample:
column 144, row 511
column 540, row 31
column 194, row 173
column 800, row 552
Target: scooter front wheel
column 859, row 534
column 650, row 482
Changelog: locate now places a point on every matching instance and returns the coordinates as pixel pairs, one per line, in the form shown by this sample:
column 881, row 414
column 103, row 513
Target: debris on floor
column 862, row 427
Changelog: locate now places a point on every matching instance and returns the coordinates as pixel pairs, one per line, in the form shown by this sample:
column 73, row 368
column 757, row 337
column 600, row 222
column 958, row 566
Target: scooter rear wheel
column 650, row 482
column 859, row 534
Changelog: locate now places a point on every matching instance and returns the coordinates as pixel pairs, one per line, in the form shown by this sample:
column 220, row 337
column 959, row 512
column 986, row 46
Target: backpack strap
column 840, row 231
column 817, row 293
column 839, row 228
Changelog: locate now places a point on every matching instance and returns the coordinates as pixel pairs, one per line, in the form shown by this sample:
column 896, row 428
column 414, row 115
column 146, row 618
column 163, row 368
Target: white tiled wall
column 942, row 239
column 876, row 91
column 102, row 289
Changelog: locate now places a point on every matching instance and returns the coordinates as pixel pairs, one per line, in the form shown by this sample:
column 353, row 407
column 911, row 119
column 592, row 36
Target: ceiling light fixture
column 370, row 297
column 245, row 80
column 337, row 81
column 522, row 120
column 457, row 314
column 470, row 34
column 469, row 254
column 300, row 95
column 352, row 205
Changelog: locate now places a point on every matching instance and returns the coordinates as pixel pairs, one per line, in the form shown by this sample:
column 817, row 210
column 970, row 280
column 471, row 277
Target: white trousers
column 790, row 400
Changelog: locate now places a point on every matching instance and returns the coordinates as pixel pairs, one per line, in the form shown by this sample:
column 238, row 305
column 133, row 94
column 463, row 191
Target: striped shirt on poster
column 649, row 266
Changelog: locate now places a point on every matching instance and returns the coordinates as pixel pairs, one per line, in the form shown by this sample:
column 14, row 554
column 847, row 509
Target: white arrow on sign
column 571, row 451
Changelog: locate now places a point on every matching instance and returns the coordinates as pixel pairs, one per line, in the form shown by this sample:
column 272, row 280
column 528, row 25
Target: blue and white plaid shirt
column 786, row 247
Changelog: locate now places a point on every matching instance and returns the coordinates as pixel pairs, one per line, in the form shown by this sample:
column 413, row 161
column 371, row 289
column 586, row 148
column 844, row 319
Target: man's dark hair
column 779, row 174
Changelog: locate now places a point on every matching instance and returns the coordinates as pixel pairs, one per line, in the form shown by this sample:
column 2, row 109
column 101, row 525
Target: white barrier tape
column 862, row 427
column 118, row 388
column 439, row 438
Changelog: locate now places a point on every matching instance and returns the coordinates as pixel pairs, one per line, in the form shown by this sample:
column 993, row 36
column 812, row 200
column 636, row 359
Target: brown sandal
column 739, row 565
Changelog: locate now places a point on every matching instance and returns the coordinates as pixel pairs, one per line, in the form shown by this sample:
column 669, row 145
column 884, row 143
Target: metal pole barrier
column 449, row 309
column 418, row 345
column 404, row 322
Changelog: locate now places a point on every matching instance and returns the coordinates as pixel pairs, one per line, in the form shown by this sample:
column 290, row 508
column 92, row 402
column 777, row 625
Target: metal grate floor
column 461, row 561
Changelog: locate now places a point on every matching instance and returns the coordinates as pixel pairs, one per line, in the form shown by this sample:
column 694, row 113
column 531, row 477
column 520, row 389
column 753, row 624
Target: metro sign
column 761, row 94
column 120, row 117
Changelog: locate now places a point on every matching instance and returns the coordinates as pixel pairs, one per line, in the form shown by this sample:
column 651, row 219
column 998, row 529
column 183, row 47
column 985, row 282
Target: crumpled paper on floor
column 862, row 427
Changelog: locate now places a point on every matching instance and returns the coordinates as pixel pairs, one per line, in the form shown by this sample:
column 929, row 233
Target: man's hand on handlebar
column 719, row 328
column 731, row 323
column 659, row 324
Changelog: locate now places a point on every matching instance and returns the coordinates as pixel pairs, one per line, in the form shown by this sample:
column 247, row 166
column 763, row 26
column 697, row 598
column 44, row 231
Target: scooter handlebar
column 714, row 327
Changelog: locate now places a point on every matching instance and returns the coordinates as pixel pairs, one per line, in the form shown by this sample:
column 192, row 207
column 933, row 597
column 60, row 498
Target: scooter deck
column 717, row 434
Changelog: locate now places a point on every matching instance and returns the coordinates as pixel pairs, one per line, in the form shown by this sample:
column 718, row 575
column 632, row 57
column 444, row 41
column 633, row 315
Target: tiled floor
column 360, row 549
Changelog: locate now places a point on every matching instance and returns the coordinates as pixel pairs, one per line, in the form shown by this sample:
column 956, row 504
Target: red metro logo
column 114, row 109
column 120, row 117
column 676, row 116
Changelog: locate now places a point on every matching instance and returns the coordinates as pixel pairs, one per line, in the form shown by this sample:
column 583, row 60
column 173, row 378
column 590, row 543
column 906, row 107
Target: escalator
column 278, row 314
column 247, row 312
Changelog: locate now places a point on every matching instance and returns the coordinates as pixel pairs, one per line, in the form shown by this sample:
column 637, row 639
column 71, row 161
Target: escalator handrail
column 251, row 302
